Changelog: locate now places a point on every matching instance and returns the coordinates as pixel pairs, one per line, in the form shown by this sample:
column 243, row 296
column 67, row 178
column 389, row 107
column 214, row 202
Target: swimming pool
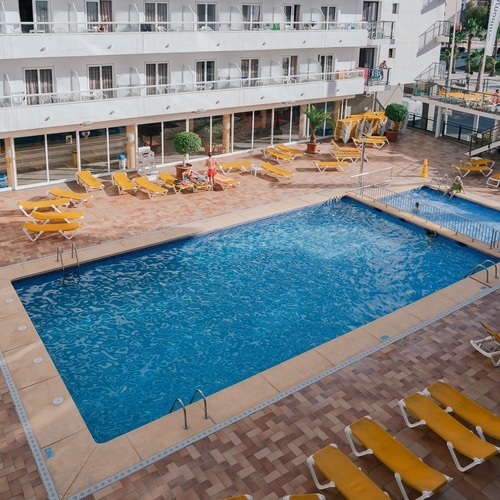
column 137, row 331
column 466, row 217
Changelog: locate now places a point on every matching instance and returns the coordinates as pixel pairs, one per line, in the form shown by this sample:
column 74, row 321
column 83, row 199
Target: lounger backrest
column 490, row 330
column 86, row 177
column 397, row 457
column 71, row 195
column 51, row 228
column 451, row 430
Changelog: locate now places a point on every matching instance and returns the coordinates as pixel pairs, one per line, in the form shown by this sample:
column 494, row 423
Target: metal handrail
column 59, row 257
column 483, row 266
column 74, row 254
column 186, row 426
column 198, row 391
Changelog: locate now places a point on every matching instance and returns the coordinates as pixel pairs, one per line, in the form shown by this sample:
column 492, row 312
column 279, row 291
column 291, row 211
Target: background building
column 87, row 83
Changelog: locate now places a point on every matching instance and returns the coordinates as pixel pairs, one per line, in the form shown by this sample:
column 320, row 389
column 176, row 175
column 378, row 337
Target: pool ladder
column 482, row 265
column 183, row 406
column 74, row 255
column 439, row 180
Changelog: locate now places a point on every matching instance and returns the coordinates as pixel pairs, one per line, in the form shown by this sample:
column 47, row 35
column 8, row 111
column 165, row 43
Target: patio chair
column 376, row 143
column 123, row 183
column 66, row 229
column 489, row 345
column 337, row 165
column 295, row 153
column 88, row 181
column 150, row 188
column 273, row 154
column 27, row 207
column 406, row 466
column 485, row 421
column 176, row 184
column 200, row 182
column 225, row 182
column 456, row 435
column 342, row 474
column 226, row 168
column 280, row 173
column 76, row 199
column 45, row 217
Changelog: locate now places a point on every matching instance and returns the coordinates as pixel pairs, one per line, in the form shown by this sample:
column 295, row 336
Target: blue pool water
column 454, row 213
column 137, row 331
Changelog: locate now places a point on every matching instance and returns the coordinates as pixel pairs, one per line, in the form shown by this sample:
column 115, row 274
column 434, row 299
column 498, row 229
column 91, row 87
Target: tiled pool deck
column 264, row 453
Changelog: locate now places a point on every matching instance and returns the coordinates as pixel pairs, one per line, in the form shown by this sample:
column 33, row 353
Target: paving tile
column 264, row 454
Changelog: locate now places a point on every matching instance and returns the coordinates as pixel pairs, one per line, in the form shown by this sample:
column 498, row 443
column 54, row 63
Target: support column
column 437, row 132
column 226, row 133
column 131, row 141
column 303, row 123
column 10, row 160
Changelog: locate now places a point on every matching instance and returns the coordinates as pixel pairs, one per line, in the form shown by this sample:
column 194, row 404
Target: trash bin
column 122, row 162
column 3, row 180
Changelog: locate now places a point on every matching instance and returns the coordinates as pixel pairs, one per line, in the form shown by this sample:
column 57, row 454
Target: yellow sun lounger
column 466, row 169
column 376, row 139
column 489, row 345
column 305, row 496
column 342, row 474
column 34, row 231
column 149, row 187
column 493, row 180
column 295, row 153
column 123, row 183
column 345, row 149
column 456, row 435
column 485, row 421
column 376, row 143
column 177, row 185
column 226, row 168
column 273, row 154
column 225, row 182
column 348, row 156
column 28, row 206
column 88, row 181
column 278, row 172
column 55, row 216
column 75, row 199
column 406, row 466
column 338, row 165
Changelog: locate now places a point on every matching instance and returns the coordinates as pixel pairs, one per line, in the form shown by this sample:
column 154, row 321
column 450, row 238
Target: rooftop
column 264, row 453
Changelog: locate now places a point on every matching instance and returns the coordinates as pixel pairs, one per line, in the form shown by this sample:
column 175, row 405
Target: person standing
column 211, row 165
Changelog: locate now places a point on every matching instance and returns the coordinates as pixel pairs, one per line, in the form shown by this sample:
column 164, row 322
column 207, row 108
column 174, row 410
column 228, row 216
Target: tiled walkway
column 264, row 454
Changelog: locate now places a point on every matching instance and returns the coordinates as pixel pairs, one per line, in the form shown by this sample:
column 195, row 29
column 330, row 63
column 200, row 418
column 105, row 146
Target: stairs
column 484, row 141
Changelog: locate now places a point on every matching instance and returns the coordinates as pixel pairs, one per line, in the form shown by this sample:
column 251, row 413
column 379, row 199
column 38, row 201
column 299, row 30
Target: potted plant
column 204, row 134
column 396, row 113
column 186, row 143
column 316, row 118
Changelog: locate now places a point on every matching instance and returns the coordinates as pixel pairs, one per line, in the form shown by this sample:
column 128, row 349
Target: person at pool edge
column 457, row 186
column 211, row 165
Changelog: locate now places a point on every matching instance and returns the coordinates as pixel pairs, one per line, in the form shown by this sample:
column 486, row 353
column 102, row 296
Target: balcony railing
column 23, row 99
column 376, row 30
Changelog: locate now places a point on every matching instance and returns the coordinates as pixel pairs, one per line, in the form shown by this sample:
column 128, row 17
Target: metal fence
column 443, row 218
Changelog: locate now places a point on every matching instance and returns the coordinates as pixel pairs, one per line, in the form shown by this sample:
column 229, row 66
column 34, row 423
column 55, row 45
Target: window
column 99, row 15
column 206, row 16
column 329, row 14
column 156, row 78
column 292, row 15
column 392, row 53
column 42, row 16
column 205, row 74
column 326, row 63
column 37, row 11
column 39, row 85
column 370, row 11
column 366, row 58
column 251, row 16
column 395, row 8
column 101, row 78
column 157, row 15
column 289, row 65
column 249, row 71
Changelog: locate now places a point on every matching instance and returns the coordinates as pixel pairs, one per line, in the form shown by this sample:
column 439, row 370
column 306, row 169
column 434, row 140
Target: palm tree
column 471, row 29
column 477, row 58
column 493, row 69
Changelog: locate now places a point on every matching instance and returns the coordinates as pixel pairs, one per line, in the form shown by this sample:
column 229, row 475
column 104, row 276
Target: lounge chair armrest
column 348, row 433
column 402, row 407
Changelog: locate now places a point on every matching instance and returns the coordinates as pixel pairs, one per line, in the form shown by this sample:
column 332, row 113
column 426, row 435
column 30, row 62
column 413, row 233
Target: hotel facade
column 86, row 84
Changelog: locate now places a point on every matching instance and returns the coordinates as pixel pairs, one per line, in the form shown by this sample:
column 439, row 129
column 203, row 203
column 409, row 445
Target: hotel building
column 85, row 84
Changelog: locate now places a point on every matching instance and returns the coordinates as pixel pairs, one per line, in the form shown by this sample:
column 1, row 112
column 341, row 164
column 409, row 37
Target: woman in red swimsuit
column 211, row 165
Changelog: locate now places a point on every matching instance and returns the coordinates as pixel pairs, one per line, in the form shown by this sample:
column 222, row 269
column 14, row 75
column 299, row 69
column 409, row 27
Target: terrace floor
column 264, row 453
